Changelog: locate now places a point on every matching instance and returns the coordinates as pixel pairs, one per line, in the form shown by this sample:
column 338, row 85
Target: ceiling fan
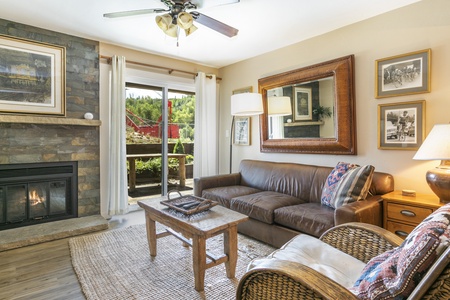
column 177, row 16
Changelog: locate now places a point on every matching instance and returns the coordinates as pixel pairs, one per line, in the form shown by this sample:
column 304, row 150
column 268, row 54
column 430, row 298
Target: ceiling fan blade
column 214, row 24
column 212, row 3
column 134, row 12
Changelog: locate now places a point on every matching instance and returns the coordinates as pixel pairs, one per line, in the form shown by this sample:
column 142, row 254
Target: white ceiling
column 264, row 25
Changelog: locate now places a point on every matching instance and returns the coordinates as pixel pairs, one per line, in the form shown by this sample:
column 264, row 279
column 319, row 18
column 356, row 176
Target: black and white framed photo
column 403, row 74
column 401, row 126
column 241, row 132
column 32, row 77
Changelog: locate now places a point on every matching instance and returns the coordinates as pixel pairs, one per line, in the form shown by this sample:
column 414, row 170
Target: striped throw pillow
column 332, row 181
column 353, row 186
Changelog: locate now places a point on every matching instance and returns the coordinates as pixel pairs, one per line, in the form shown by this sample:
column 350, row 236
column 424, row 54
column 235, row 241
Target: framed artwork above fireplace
column 32, row 77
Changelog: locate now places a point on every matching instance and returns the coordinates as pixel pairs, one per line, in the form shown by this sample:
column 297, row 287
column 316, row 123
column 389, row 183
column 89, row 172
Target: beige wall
column 416, row 27
column 151, row 59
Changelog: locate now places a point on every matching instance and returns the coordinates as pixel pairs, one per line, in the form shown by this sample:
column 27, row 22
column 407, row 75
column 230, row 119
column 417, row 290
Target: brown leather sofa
column 283, row 199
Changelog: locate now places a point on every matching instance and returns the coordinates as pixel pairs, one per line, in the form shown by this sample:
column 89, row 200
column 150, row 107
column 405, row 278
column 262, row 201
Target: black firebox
column 37, row 192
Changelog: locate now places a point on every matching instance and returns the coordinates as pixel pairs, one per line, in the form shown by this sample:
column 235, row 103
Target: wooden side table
column 401, row 214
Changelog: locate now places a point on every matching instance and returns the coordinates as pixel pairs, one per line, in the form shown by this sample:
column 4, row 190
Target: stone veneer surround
column 41, row 141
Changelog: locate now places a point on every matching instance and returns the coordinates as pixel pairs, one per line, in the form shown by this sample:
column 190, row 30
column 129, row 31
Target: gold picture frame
column 401, row 126
column 248, row 89
column 403, row 74
column 32, row 77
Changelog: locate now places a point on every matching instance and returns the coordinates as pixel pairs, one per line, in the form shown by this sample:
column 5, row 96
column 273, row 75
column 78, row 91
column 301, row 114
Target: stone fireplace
column 47, row 140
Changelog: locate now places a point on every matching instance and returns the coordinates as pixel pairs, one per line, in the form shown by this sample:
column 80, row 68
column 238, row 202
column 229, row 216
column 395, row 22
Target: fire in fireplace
column 38, row 192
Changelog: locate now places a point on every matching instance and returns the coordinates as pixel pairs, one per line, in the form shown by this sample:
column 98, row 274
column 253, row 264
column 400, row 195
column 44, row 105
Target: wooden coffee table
column 194, row 231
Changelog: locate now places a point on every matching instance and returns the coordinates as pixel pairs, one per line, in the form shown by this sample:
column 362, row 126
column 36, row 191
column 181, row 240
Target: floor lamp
column 243, row 105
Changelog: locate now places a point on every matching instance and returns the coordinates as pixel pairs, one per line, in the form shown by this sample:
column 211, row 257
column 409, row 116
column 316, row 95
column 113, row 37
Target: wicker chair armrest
column 208, row 182
column 284, row 280
column 361, row 240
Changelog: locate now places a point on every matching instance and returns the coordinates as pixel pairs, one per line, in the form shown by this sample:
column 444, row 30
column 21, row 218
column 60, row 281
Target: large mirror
column 310, row 110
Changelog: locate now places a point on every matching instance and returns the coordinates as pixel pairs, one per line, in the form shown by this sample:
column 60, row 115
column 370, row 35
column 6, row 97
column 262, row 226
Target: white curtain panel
column 205, row 144
column 117, row 177
column 277, row 127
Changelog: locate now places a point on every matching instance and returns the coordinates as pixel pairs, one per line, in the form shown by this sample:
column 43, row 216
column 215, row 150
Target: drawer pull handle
column 408, row 213
column 401, row 233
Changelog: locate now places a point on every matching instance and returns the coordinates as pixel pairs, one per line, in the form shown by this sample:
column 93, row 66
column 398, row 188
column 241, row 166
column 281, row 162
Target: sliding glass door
column 160, row 138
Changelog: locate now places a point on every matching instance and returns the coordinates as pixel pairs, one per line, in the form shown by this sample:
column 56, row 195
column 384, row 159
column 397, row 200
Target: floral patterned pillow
column 332, row 181
column 394, row 274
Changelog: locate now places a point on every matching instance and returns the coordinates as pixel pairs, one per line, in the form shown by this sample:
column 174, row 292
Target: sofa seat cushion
column 325, row 259
column 310, row 218
column 261, row 206
column 224, row 194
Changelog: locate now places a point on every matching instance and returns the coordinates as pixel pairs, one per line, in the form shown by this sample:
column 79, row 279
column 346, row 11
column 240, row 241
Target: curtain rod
column 170, row 70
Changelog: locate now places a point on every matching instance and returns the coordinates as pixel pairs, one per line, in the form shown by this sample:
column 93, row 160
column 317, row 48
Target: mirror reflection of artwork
column 302, row 104
column 242, row 131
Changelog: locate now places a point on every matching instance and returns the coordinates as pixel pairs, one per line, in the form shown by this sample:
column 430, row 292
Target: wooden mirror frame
column 344, row 142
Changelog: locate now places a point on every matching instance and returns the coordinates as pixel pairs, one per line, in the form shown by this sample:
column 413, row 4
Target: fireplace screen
column 32, row 193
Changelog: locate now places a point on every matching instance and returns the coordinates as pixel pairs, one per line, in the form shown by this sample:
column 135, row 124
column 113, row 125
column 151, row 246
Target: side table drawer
column 407, row 213
column 399, row 229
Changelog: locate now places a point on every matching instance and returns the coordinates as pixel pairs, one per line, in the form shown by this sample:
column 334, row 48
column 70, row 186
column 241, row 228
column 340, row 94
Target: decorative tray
column 188, row 204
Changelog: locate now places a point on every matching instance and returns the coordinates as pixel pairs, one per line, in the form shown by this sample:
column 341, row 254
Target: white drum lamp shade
column 437, row 147
column 246, row 104
column 279, row 106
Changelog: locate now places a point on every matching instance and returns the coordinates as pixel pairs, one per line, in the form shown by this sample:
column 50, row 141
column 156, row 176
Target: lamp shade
column 437, row 147
column 165, row 23
column 185, row 20
column 246, row 104
column 279, row 106
column 437, row 144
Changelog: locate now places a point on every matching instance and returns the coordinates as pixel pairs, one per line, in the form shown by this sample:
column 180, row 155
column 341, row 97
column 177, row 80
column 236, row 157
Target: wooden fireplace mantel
column 48, row 120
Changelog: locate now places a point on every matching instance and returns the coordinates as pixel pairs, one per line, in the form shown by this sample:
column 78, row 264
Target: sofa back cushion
column 298, row 180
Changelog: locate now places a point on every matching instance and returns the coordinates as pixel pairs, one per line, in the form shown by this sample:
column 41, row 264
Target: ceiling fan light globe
column 172, row 30
column 190, row 30
column 164, row 21
column 185, row 20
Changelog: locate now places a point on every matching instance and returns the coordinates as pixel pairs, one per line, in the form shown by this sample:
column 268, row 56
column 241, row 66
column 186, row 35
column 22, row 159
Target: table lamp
column 243, row 105
column 437, row 147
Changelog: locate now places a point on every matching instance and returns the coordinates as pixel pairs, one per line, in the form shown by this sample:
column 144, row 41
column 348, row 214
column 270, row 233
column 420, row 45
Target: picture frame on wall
column 242, row 131
column 248, row 89
column 302, row 104
column 404, row 74
column 401, row 126
column 32, row 77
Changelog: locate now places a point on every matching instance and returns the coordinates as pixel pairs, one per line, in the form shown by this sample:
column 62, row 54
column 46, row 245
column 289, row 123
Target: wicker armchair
column 282, row 279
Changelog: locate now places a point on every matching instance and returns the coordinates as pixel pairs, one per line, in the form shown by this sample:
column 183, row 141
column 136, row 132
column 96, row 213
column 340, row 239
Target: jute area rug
column 117, row 265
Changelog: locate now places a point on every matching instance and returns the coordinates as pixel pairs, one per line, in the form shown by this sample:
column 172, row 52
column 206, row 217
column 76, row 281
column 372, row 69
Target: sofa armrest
column 369, row 211
column 361, row 240
column 208, row 182
column 281, row 279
